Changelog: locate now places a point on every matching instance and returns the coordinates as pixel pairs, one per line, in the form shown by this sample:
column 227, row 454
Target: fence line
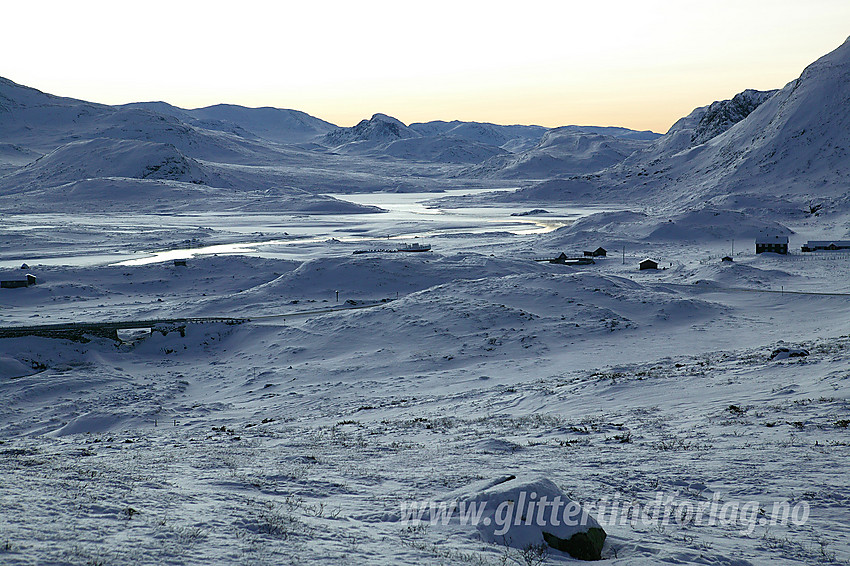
column 802, row 256
column 815, row 256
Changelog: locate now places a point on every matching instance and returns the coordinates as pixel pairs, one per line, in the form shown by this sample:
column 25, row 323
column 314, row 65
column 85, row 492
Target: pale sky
column 641, row 64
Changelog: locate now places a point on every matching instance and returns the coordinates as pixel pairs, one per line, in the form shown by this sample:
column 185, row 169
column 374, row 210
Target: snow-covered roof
column 772, row 240
column 826, row 243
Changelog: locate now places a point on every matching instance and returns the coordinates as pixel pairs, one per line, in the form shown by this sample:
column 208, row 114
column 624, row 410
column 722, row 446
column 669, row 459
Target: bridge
column 82, row 331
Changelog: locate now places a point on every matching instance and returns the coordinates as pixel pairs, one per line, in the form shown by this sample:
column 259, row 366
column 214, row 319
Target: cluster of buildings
column 585, row 259
column 779, row 245
column 823, row 245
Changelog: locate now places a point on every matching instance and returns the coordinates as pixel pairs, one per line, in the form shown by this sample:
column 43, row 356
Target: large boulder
column 528, row 512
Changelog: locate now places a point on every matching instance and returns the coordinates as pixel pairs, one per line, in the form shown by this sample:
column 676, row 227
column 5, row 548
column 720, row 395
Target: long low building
column 827, row 245
column 16, row 283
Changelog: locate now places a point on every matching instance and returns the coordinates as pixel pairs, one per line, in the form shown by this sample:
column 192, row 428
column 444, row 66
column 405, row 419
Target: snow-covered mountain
column 105, row 174
column 383, row 135
column 562, row 152
column 42, row 122
column 508, row 152
column 782, row 151
column 13, row 156
column 701, row 125
column 719, row 116
column 442, row 149
column 378, row 129
column 272, row 124
column 276, row 124
column 103, row 157
column 514, row 138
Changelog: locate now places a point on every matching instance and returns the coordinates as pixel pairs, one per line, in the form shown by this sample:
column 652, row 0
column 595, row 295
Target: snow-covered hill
column 42, row 122
column 273, row 124
column 378, row 129
column 514, row 138
column 305, row 434
column 103, row 157
column 783, row 150
column 562, row 152
column 383, row 135
column 340, row 390
column 722, row 115
column 105, row 174
column 13, row 156
column 276, row 124
column 442, row 149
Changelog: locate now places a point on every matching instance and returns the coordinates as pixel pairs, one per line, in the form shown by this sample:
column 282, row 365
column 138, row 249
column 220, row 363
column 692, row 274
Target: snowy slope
column 719, row 116
column 302, row 436
column 445, row 148
column 562, row 152
column 379, row 129
column 616, row 132
column 383, row 135
column 42, row 122
column 127, row 175
column 511, row 138
column 701, row 125
column 158, row 196
column 102, row 157
column 197, row 142
column 787, row 154
column 275, row 124
column 13, row 156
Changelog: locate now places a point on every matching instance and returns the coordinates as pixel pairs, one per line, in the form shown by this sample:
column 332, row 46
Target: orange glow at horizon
column 616, row 62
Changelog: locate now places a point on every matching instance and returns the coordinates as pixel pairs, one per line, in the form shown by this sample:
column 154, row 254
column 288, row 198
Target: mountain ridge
column 786, row 155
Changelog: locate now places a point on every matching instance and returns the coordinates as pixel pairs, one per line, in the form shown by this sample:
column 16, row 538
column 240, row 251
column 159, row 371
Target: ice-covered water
column 406, row 216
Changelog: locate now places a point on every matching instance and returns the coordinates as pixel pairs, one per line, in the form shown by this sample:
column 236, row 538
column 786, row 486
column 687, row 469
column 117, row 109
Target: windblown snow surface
column 281, row 400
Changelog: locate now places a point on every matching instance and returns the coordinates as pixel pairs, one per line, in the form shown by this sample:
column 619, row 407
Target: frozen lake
column 134, row 239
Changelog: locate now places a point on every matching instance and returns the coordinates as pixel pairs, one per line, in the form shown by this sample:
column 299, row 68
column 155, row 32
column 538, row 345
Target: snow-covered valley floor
column 297, row 440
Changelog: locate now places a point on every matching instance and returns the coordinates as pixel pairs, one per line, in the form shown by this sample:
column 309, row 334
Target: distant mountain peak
column 378, row 128
column 379, row 116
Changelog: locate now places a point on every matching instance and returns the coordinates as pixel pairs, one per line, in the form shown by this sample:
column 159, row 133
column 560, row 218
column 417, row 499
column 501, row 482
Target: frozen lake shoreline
column 406, row 216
